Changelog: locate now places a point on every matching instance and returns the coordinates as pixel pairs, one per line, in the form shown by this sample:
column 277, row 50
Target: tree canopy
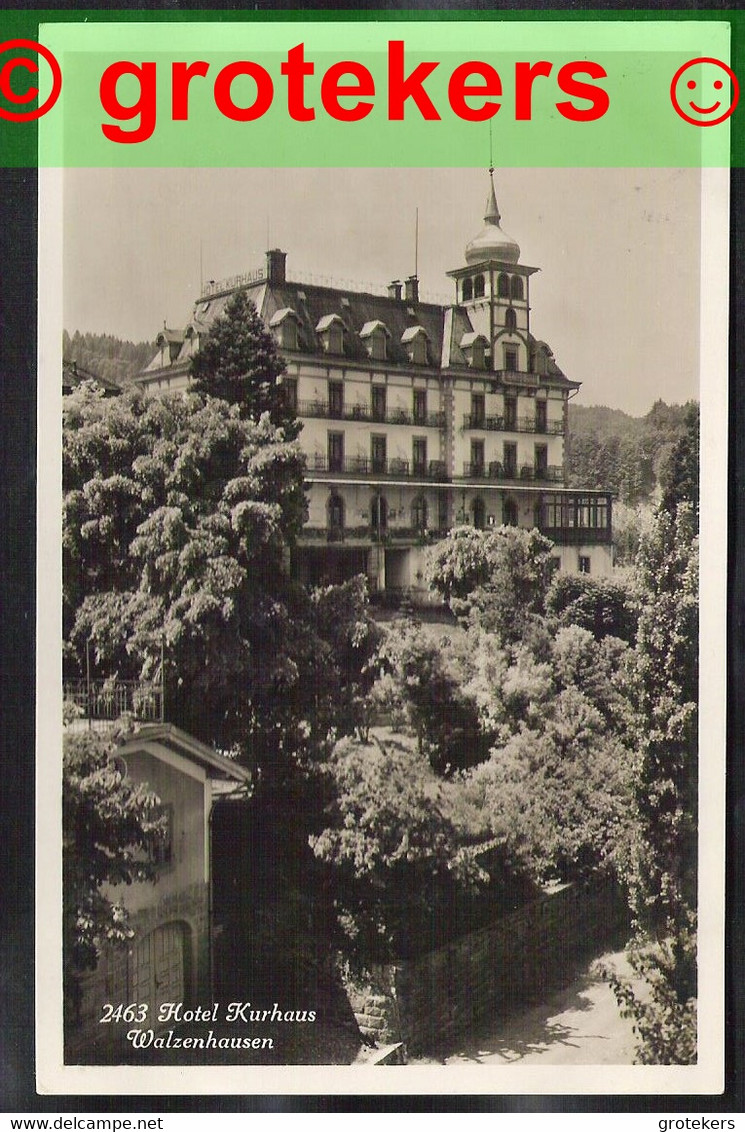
column 178, row 519
column 238, row 362
column 500, row 576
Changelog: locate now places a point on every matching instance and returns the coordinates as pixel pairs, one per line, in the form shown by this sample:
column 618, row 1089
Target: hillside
column 629, row 455
column 106, row 356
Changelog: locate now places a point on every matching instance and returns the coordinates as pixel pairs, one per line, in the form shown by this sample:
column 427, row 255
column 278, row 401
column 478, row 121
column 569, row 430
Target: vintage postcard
column 385, row 751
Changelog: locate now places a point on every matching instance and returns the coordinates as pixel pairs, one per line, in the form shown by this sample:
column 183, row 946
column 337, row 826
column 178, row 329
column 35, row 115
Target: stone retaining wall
column 516, row 960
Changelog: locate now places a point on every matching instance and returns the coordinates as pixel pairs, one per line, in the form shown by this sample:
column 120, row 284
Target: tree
column 108, row 827
column 424, row 683
column 556, row 783
column 663, row 858
column 238, row 362
column 604, row 606
column 393, row 844
column 680, row 483
column 179, row 515
column 499, row 576
column 558, row 791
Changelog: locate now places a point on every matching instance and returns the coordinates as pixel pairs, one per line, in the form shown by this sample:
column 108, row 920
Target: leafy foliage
column 178, row 516
column 604, row 606
column 662, row 872
column 422, row 686
column 238, row 362
column 556, row 786
column 108, row 823
column 396, row 845
column 680, row 481
column 499, row 576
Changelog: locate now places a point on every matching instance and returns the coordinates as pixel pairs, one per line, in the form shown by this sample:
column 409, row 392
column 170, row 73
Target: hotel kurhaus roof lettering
column 246, row 90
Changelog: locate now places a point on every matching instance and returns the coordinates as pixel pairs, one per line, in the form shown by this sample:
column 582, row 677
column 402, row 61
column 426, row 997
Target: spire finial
column 491, row 216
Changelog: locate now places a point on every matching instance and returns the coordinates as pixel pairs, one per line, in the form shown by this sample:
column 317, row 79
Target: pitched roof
column 187, row 746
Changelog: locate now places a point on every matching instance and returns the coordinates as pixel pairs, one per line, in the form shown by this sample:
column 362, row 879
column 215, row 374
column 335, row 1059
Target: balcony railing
column 520, row 424
column 366, row 413
column 385, row 535
column 525, row 473
column 110, row 699
column 577, row 536
column 365, row 466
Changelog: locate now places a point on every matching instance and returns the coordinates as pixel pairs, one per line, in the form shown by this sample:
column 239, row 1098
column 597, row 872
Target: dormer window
column 415, row 341
column 331, row 331
column 474, row 348
column 375, row 335
column 169, row 342
column 284, row 325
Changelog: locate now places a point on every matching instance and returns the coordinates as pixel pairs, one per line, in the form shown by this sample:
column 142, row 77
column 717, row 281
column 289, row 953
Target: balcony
column 577, row 536
column 520, row 424
column 526, row 473
column 111, row 699
column 366, row 467
column 323, row 410
column 388, row 536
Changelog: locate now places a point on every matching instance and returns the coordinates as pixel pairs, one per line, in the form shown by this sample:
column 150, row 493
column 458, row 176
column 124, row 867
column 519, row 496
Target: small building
column 417, row 416
column 169, row 958
column 74, row 375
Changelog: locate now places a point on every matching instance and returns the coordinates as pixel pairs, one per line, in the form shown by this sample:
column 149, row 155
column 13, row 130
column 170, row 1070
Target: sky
column 617, row 294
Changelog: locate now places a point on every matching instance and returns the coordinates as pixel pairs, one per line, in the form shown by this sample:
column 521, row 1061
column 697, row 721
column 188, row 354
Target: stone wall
column 516, row 960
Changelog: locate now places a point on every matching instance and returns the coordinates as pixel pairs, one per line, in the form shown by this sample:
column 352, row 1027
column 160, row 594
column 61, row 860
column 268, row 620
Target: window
column 378, row 402
column 336, row 399
column 584, row 564
column 478, row 410
column 554, row 563
column 442, row 511
column 336, row 451
column 503, row 286
column 419, row 513
column 510, row 413
column 289, row 394
column 510, row 319
column 541, row 461
column 336, row 513
column 516, row 287
column 509, row 513
column 420, row 406
column 379, row 513
column 467, row 290
column 377, row 345
column 541, row 421
column 510, row 460
column 420, row 455
column 510, row 358
column 479, row 513
column 477, row 457
column 378, row 450
column 160, row 842
column 478, row 287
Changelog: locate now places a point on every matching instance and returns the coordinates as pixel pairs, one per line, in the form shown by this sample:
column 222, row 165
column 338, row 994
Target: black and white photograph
column 390, row 729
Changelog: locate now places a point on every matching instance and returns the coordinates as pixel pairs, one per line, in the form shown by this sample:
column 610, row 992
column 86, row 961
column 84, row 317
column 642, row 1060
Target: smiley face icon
column 704, row 91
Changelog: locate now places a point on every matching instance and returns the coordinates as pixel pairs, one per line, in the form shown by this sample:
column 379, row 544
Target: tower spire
column 491, row 216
